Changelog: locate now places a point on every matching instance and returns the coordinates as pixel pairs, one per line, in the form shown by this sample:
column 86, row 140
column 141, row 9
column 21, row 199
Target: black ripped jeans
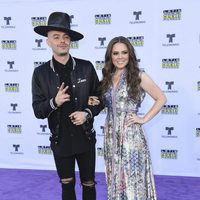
column 66, row 171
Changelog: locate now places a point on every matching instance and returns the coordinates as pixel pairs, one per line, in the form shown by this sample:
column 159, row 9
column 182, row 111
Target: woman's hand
column 93, row 101
column 134, row 119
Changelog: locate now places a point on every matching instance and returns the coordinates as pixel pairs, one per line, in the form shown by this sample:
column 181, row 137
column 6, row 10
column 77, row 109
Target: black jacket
column 45, row 83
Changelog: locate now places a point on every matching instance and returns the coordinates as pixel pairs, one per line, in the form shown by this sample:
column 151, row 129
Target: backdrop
column 166, row 36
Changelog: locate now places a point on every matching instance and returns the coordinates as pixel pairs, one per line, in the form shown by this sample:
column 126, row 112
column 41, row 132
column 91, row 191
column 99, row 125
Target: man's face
column 59, row 42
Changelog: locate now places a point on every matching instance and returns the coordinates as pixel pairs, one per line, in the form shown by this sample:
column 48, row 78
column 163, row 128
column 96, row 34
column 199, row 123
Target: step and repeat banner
column 166, row 37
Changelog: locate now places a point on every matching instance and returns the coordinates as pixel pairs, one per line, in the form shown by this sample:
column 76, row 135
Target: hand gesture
column 62, row 96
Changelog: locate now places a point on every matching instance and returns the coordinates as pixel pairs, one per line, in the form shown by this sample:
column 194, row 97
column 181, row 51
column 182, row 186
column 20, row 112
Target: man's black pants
column 66, row 172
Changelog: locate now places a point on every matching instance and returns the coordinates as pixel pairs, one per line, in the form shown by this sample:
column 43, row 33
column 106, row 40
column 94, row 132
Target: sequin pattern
column 129, row 173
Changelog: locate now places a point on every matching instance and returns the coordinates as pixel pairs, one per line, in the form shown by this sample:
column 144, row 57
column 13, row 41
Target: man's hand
column 78, row 117
column 62, row 96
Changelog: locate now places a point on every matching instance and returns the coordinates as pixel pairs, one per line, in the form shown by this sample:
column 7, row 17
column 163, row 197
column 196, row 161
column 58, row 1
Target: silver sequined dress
column 127, row 158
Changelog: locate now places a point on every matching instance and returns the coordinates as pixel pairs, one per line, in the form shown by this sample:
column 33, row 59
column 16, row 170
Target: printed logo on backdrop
column 38, row 21
column 170, row 63
column 39, row 43
column 101, row 19
column 103, row 111
column 43, row 130
column 72, row 21
column 11, row 87
column 137, row 15
column 11, row 67
column 170, row 109
column 169, row 154
column 100, row 151
column 169, row 133
column 197, row 132
column 9, row 44
column 16, row 149
column 45, row 150
column 198, row 86
column 172, row 15
column 99, row 64
column 7, row 23
column 170, row 87
column 14, row 109
column 136, row 41
column 74, row 45
column 101, row 133
column 14, row 129
column 37, row 64
column 171, row 40
column 101, row 43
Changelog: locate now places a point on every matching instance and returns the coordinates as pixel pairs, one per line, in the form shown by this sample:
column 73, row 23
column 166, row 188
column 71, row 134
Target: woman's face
column 120, row 55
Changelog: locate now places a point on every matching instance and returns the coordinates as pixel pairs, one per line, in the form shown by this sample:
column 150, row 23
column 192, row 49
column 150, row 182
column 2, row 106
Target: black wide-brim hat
column 59, row 21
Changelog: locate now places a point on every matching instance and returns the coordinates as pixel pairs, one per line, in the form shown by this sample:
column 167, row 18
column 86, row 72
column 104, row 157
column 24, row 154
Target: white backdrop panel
column 166, row 37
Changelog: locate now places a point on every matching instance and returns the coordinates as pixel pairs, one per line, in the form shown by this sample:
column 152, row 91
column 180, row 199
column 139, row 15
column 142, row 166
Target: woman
column 127, row 158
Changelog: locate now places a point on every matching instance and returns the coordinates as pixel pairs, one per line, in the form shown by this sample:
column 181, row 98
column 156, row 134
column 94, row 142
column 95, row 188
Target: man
column 60, row 91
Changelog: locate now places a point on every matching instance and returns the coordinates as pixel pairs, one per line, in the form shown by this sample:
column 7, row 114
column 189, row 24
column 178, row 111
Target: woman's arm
column 150, row 87
column 156, row 93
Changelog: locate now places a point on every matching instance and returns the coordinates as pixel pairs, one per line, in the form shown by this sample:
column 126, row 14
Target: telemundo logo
column 137, row 18
column 7, row 21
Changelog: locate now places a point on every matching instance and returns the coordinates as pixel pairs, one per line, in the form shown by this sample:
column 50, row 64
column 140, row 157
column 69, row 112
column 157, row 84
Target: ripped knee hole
column 67, row 180
column 88, row 184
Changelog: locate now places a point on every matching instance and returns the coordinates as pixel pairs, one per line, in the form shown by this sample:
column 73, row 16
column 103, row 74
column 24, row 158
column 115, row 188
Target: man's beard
column 63, row 54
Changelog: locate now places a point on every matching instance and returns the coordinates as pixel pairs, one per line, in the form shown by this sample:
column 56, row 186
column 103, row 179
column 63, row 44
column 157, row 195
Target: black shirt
column 63, row 72
column 72, row 138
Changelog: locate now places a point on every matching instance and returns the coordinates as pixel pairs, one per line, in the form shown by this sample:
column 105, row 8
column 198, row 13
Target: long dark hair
column 132, row 70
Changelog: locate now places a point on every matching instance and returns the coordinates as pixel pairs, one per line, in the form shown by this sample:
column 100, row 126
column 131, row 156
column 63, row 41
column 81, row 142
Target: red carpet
column 18, row 184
